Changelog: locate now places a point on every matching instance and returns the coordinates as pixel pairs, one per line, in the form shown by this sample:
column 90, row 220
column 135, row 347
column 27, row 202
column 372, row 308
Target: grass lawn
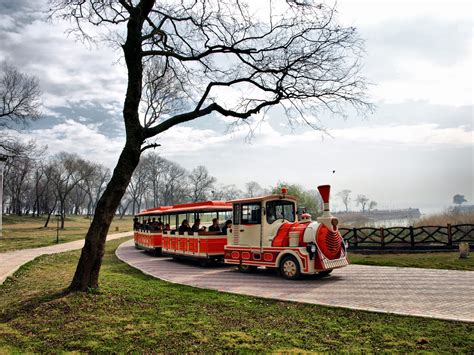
column 28, row 232
column 441, row 260
column 135, row 312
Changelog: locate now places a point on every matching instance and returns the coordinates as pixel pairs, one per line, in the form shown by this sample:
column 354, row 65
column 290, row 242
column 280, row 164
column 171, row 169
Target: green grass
column 135, row 312
column 27, row 232
column 441, row 260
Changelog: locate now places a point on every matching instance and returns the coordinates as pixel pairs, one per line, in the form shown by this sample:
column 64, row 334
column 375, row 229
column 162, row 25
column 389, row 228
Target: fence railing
column 424, row 237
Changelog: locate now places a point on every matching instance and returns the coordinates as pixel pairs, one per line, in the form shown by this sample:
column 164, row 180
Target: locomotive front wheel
column 247, row 269
column 290, row 268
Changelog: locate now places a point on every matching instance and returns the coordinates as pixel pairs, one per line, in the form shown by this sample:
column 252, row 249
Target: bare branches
column 183, row 52
column 19, row 97
column 83, row 13
column 150, row 146
column 300, row 57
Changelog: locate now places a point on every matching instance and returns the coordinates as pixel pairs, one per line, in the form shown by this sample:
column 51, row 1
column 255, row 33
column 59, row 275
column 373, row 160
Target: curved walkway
column 443, row 294
column 12, row 260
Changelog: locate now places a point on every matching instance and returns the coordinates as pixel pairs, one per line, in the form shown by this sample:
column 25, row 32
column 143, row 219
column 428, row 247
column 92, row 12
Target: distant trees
column 362, row 201
column 459, row 199
column 65, row 183
column 372, row 205
column 310, row 200
column 345, row 197
column 253, row 189
column 227, row 193
column 201, row 183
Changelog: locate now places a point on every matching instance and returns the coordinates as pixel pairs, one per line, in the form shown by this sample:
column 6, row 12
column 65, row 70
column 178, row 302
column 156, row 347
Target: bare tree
column 201, row 183
column 138, row 186
column 362, row 200
column 156, row 167
column 253, row 189
column 174, row 189
column 124, row 204
column 19, row 170
column 68, row 171
column 19, row 96
column 95, row 184
column 226, row 193
column 295, row 55
column 17, row 182
column 345, row 197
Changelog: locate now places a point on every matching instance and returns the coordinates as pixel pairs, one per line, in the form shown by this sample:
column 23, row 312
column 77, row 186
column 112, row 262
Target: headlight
column 311, row 249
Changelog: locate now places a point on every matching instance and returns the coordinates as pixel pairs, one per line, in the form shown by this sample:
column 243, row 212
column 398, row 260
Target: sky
column 415, row 150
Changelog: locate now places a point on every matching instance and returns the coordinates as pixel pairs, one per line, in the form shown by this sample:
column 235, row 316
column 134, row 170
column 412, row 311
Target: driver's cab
column 256, row 220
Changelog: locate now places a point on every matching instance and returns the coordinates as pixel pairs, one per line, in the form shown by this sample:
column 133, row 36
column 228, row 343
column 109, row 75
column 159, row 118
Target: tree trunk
column 88, row 267
column 87, row 271
column 49, row 215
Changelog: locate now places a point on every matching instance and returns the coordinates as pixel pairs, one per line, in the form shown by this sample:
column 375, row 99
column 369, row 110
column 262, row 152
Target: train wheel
column 157, row 252
column 247, row 269
column 290, row 268
column 324, row 273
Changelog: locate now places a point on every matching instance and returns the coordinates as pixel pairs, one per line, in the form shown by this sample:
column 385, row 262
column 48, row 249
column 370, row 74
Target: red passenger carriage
column 203, row 245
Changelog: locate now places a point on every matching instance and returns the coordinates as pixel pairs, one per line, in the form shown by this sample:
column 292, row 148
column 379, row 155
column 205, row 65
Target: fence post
column 450, row 236
column 382, row 237
column 354, row 231
column 412, row 237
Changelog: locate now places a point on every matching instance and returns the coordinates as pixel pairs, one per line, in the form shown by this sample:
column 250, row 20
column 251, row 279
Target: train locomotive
column 266, row 232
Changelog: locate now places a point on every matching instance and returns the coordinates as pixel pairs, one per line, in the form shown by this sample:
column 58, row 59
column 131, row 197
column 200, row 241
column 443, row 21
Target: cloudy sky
column 415, row 150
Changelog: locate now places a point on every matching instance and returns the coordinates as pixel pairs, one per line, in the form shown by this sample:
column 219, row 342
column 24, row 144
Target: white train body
column 266, row 232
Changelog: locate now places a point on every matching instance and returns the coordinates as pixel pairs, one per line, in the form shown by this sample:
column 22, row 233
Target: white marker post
column 3, row 159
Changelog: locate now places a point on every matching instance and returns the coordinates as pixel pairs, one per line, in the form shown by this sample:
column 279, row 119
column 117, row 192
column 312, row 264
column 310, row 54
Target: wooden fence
column 425, row 237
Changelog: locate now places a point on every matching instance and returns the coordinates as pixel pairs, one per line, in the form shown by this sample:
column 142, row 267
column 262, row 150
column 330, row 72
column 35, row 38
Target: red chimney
column 324, row 190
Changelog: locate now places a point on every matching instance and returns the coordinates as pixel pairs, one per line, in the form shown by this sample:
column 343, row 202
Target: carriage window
column 280, row 210
column 251, row 213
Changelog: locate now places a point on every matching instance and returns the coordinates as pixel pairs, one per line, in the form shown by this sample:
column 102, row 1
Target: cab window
column 251, row 213
column 280, row 210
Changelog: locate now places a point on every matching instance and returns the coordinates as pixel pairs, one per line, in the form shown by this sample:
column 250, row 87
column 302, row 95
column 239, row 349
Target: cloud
column 67, row 70
column 83, row 139
column 422, row 135
column 182, row 139
column 420, row 58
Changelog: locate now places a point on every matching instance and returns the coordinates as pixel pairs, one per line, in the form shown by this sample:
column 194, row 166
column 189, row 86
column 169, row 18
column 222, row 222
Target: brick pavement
column 443, row 294
column 13, row 260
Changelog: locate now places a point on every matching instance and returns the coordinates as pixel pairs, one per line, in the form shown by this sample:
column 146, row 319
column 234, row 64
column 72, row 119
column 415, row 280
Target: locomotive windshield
column 280, row 210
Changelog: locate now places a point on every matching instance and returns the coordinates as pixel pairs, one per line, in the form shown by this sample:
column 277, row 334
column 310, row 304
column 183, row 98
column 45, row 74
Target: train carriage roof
column 264, row 198
column 206, row 206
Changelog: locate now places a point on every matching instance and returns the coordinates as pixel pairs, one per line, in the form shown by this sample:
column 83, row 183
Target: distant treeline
column 407, row 213
column 66, row 183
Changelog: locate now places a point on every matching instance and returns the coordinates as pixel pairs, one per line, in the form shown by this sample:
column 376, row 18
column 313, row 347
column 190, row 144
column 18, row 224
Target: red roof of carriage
column 205, row 206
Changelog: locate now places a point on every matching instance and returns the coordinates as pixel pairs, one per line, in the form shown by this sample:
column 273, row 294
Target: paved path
column 444, row 294
column 12, row 260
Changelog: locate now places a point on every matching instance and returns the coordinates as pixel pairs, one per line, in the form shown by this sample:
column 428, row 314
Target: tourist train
column 266, row 231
